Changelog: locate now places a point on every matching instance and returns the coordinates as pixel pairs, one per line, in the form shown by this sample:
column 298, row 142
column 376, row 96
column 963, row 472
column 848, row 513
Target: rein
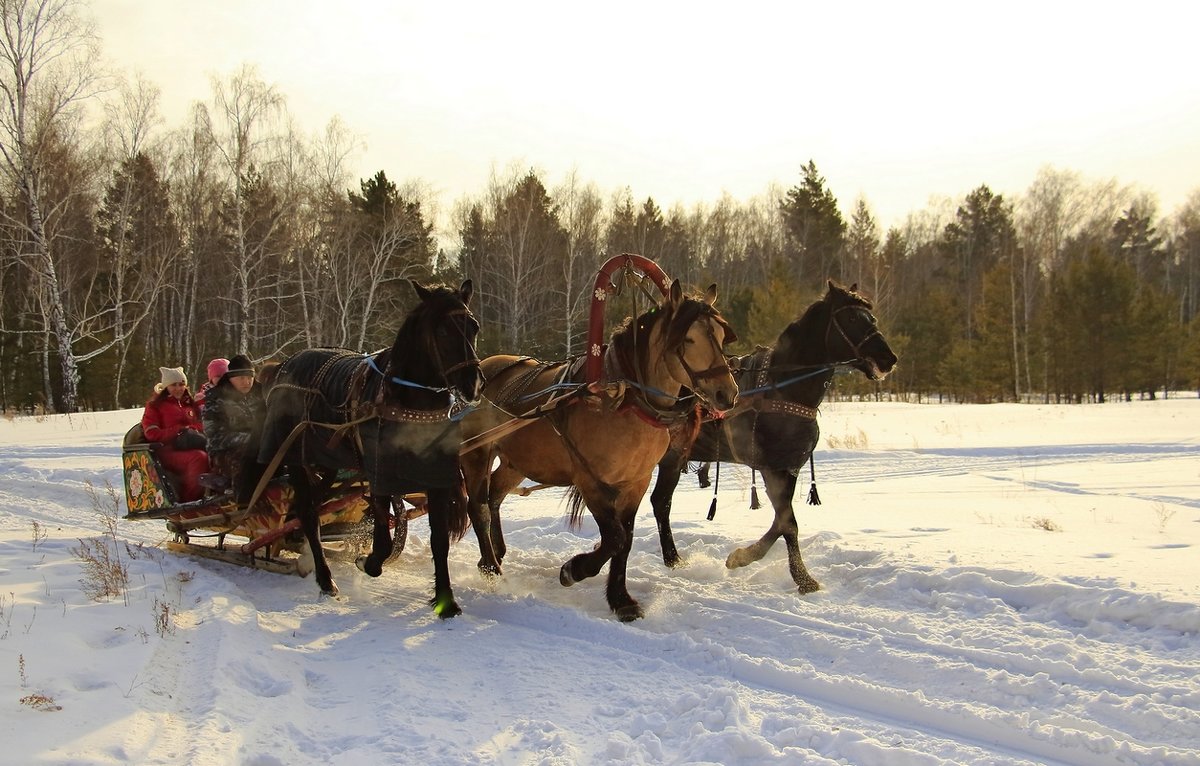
column 816, row 370
column 457, row 410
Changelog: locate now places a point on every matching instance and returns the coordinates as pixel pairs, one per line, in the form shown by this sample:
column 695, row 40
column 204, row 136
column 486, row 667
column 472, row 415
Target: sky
column 899, row 103
column 1005, row 584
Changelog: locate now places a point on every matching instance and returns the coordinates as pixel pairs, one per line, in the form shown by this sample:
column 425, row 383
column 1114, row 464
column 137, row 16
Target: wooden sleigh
column 260, row 536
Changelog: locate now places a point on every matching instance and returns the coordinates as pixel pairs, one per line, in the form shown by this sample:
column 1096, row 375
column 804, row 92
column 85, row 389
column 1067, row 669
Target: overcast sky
column 894, row 101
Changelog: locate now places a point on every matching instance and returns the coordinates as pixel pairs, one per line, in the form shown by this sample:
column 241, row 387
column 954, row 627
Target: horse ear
column 422, row 292
column 710, row 295
column 466, row 291
column 854, row 287
column 675, row 294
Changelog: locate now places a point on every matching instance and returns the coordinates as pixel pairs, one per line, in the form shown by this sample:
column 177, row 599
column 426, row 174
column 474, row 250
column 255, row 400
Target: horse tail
column 576, row 506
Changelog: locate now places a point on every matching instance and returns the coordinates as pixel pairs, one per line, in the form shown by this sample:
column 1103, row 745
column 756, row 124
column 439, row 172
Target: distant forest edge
column 125, row 246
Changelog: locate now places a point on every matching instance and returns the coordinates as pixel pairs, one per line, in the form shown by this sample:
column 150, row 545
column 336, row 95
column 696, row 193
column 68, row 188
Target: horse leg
column 660, row 498
column 614, row 538
column 475, row 466
column 503, row 481
column 381, row 543
column 443, row 601
column 304, row 505
column 781, row 487
column 702, row 476
column 620, row 601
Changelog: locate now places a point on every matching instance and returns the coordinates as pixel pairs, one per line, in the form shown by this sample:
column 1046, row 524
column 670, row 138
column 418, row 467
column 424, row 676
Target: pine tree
column 815, row 229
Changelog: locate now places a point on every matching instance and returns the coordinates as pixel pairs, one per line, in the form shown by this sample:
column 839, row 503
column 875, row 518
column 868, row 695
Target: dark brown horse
column 386, row 415
column 774, row 427
column 604, row 439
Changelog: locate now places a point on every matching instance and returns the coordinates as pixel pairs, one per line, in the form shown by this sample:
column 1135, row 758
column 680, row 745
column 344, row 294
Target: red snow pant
column 187, row 465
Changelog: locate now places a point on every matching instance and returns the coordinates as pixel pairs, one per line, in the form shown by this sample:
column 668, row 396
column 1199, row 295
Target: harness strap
column 784, row 407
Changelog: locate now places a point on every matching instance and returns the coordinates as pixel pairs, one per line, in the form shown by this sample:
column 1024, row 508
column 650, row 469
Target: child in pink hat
column 216, row 370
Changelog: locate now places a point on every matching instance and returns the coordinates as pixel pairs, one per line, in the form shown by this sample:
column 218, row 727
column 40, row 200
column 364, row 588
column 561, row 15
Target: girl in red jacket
column 172, row 420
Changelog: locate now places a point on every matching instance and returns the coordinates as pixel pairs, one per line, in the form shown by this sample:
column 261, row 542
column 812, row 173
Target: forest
column 127, row 244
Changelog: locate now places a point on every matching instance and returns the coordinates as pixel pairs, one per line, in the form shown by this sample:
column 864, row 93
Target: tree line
column 126, row 245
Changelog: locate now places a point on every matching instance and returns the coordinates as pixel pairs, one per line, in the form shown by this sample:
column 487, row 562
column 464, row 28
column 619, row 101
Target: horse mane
column 266, row 376
column 408, row 337
column 631, row 340
column 793, row 337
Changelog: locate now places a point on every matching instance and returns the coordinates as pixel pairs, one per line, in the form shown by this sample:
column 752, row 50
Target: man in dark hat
column 233, row 418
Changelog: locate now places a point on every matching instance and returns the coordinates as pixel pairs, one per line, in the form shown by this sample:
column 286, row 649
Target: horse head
column 441, row 331
column 852, row 333
column 694, row 340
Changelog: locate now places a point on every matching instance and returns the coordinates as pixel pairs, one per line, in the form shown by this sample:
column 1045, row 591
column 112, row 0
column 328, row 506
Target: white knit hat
column 171, row 375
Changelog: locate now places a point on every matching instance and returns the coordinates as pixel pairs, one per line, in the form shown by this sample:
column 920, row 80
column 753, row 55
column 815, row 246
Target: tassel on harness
column 712, row 509
column 813, row 497
column 754, row 504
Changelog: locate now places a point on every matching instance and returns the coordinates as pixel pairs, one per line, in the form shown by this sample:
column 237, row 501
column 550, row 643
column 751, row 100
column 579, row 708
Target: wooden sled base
column 278, row 566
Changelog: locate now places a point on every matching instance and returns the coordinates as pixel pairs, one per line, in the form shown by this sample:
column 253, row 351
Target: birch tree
column 135, row 222
column 583, row 218
column 242, row 126
column 46, row 54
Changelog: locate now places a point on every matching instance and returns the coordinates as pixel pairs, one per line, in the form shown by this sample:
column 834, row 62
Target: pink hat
column 217, row 368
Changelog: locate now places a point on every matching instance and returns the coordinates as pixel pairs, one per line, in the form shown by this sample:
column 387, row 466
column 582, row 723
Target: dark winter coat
column 233, row 421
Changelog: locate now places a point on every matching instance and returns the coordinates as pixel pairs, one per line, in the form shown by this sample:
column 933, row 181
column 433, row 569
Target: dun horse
column 605, row 445
column 774, row 427
column 386, row 415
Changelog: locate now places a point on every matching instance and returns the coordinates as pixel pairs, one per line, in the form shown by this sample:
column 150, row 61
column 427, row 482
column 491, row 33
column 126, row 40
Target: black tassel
column 813, row 497
column 712, row 509
column 754, row 504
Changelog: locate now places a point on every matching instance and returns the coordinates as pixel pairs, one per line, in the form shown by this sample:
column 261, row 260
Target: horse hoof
column 490, row 572
column 808, row 586
column 673, row 562
column 331, row 591
column 738, row 558
column 369, row 565
column 629, row 613
column 445, row 607
column 564, row 576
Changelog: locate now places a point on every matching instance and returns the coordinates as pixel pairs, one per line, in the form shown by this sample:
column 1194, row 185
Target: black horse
column 386, row 415
column 774, row 427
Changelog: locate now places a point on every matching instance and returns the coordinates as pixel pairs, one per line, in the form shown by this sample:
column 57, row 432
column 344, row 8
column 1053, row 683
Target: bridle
column 444, row 371
column 718, row 369
column 834, row 323
column 472, row 359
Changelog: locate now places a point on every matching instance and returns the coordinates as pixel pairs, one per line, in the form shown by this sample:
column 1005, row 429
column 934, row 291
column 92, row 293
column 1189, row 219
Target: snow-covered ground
column 1003, row 584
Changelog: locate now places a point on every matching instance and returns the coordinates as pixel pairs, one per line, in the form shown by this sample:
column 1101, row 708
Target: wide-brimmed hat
column 239, row 365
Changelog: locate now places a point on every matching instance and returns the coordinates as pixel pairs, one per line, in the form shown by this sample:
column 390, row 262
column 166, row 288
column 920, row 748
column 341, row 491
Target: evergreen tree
column 138, row 238
column 773, row 307
column 1135, row 240
column 980, row 236
column 816, row 230
column 862, row 263
column 1091, row 316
